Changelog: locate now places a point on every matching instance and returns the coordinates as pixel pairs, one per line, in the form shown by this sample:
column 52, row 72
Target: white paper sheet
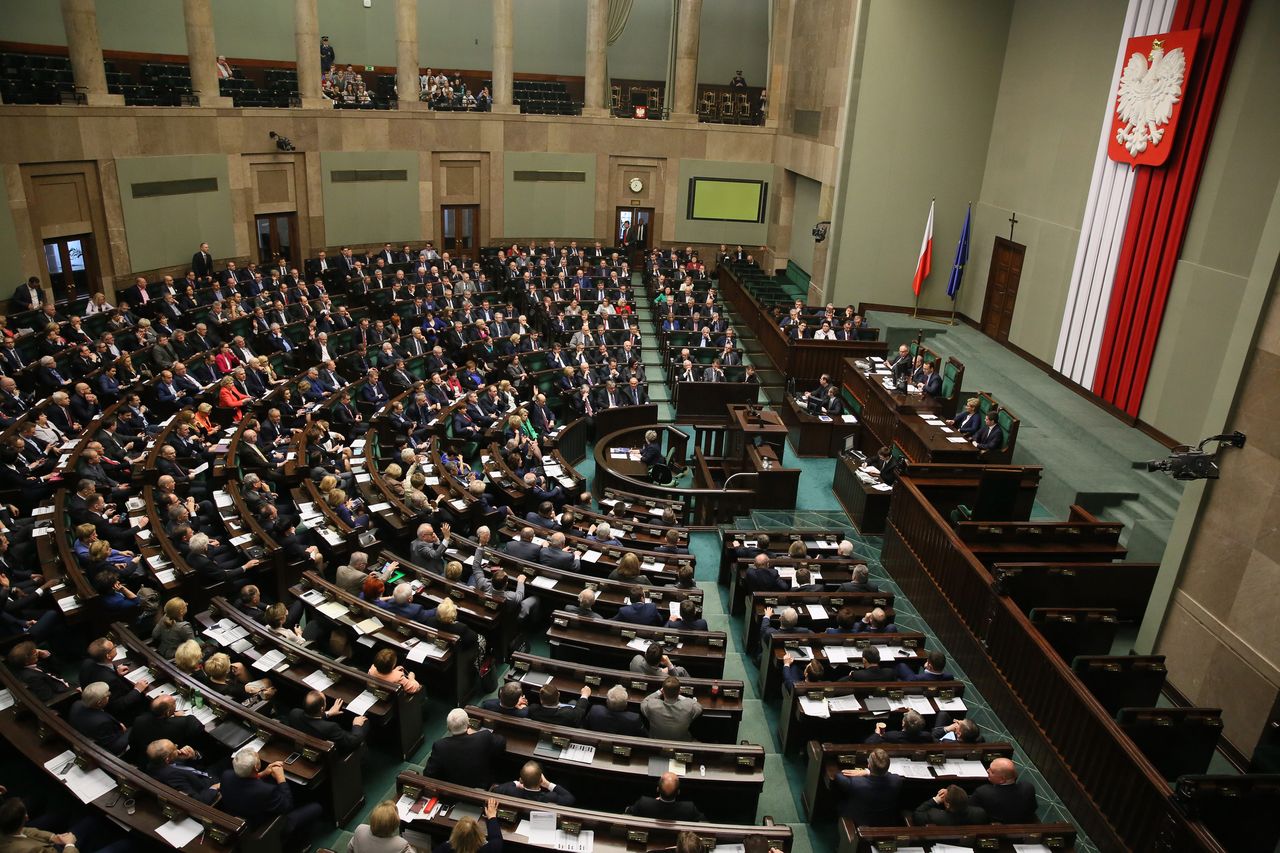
column 816, row 611
column 180, row 832
column 955, row 439
column 319, row 680
column 255, row 745
column 269, row 661
column 579, row 752
column 86, row 785
column 167, row 576
column 844, row 703
column 920, row 704
column 544, row 582
column 362, row 703
column 951, row 705
column 815, row 708
column 6, row 699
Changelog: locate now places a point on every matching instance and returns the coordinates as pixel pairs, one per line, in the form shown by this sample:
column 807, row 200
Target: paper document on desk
column 579, row 752
column 849, row 419
column 167, row 576
column 920, row 704
column 6, row 699
column 87, row 785
column 1030, row 848
column 841, row 654
column 909, row 768
column 816, row 611
column 319, row 680
column 956, row 439
column 136, row 675
column 362, row 703
column 179, row 833
column 881, row 487
column 422, row 651
column 333, row 609
column 592, row 556
column 205, row 715
column 844, row 704
column 951, row 705
column 256, row 745
column 939, row 847
column 640, row 644
column 963, row 768
column 543, row 582
column 368, row 626
column 814, row 708
column 269, row 661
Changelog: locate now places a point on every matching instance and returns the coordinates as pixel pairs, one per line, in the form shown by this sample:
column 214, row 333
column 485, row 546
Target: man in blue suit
column 511, row 701
column 930, row 381
column 162, row 765
column 934, row 669
column 991, row 436
column 401, row 603
column 89, row 716
column 641, row 611
column 870, row 795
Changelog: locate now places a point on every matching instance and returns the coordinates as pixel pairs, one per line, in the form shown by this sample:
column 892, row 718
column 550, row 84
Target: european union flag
column 962, row 257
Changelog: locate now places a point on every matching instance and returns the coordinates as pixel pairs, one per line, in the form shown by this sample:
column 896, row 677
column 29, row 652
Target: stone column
column 503, row 54
column 779, row 60
column 594, row 102
column 201, row 53
column 80, row 19
column 684, row 106
column 407, row 85
column 306, row 34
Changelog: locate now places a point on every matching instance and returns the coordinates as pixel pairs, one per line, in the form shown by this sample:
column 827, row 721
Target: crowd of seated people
column 442, row 93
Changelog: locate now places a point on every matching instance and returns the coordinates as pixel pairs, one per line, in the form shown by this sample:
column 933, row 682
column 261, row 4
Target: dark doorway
column 68, row 261
column 460, row 227
column 277, row 237
column 632, row 228
column 1002, row 288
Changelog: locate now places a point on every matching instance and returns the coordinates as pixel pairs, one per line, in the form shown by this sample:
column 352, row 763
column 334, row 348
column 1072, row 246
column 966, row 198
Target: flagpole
column 916, row 315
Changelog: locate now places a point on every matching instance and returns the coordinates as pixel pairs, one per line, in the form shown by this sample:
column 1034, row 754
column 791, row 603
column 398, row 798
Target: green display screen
column 727, row 200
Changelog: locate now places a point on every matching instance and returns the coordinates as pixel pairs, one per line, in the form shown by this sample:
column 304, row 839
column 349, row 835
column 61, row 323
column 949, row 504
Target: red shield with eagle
column 1149, row 98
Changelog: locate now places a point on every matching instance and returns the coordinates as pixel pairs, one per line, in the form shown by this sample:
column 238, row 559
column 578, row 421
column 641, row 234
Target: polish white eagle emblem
column 1148, row 93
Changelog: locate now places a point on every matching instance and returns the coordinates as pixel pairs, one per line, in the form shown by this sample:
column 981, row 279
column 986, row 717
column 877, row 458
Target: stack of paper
column 909, row 768
column 333, row 609
column 816, row 611
column 844, row 704
column 362, row 703
column 814, row 708
column 962, row 767
column 87, row 785
column 179, row 833
column 951, row 705
column 920, row 704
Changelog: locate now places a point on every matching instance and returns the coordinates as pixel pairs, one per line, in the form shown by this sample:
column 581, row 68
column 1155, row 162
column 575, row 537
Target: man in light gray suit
column 524, row 547
column 428, row 549
column 670, row 714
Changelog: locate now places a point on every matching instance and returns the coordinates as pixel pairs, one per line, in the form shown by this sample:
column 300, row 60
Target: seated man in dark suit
column 859, row 581
column 690, row 618
column 24, row 660
column 89, row 716
column 913, row 731
column 510, row 701
column 127, row 698
column 762, row 577
column 532, row 785
column 958, row 731
column 161, row 723
column 640, row 610
column 875, row 621
column 872, row 669
column 1006, row 799
column 930, row 381
column 585, row 606
column 549, row 710
column 163, row 757
column 991, row 436
column 869, row 796
column 524, row 547
column 314, row 719
column 401, row 603
column 467, row 756
column 949, row 807
column 613, row 717
column 934, row 669
column 256, row 793
column 665, row 806
column 672, row 544
column 556, row 555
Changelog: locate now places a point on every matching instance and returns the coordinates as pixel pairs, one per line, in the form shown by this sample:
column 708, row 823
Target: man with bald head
column 1006, row 798
column 161, row 721
column 666, row 806
column 169, row 764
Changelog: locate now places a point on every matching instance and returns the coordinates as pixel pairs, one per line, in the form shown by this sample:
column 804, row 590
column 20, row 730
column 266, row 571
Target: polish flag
column 926, row 254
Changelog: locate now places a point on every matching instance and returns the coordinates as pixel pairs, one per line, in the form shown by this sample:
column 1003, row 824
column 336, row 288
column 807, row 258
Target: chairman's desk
column 721, row 700
column 725, row 780
column 882, row 409
column 612, row 832
column 817, row 435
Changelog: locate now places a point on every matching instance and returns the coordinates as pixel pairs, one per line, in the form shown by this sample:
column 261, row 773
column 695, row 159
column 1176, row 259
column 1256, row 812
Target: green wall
column 697, row 231
column 452, row 34
column 549, row 208
column 165, row 230
column 1040, row 160
column 11, row 271
column 1237, row 188
column 370, row 211
column 929, row 80
column 804, row 215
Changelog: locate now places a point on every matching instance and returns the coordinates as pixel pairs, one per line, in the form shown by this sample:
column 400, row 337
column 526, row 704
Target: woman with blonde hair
column 628, row 570
column 172, row 630
column 381, row 834
column 231, row 397
column 387, row 667
column 188, row 657
column 446, row 620
column 797, row 550
column 204, row 420
column 469, row 837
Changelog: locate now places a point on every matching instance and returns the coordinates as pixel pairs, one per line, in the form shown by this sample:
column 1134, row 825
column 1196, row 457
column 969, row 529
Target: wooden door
column 1002, row 288
column 277, row 237
column 69, row 264
column 460, row 227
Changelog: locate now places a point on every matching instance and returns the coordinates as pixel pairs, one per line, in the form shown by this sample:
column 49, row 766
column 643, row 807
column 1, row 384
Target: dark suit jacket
column 644, row 613
column 183, row 731
column 524, row 550
column 556, row 558
column 666, row 809
column 254, row 799
column 571, row 716
column 193, row 783
column 327, row 729
column 930, row 813
column 1012, row 803
column 559, row 795
column 41, row 684
column 496, row 706
column 99, row 726
column 601, row 719
column 765, row 580
column 466, row 759
column 870, row 800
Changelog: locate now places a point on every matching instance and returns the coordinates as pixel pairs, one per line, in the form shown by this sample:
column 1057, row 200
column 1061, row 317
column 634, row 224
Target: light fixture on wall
column 820, row 231
column 282, row 142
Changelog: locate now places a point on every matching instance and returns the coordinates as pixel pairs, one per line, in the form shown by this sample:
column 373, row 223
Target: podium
column 753, row 428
